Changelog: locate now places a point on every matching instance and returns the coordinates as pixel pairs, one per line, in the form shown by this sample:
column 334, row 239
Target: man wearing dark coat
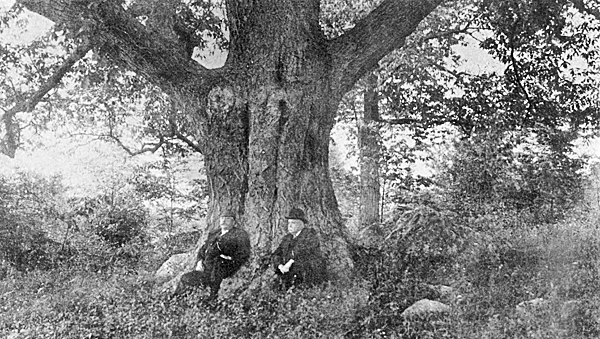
column 222, row 255
column 298, row 259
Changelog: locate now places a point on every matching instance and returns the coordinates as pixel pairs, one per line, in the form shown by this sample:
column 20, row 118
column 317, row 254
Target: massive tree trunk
column 285, row 98
column 264, row 119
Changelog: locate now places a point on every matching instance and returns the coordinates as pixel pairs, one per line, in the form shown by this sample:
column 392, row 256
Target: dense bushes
column 512, row 171
column 420, row 249
column 422, row 243
column 491, row 273
column 42, row 228
column 117, row 218
column 492, row 253
column 500, row 261
column 30, row 209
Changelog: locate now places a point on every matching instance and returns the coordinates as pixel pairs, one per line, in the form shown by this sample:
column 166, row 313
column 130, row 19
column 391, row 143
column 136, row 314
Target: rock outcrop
column 425, row 307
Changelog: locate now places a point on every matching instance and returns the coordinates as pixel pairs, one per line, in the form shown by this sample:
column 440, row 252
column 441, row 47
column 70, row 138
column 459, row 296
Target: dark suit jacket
column 309, row 265
column 235, row 244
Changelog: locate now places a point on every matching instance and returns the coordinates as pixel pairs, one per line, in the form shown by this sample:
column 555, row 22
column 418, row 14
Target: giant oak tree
column 263, row 119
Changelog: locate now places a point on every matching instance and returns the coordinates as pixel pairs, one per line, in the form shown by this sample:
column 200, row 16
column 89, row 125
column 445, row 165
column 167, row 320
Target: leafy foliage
column 339, row 16
column 494, row 264
column 117, row 219
column 158, row 183
column 29, row 204
column 420, row 249
column 512, row 171
column 500, row 184
column 96, row 99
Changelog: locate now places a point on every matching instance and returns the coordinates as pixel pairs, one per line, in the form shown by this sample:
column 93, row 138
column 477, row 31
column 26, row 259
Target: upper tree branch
column 119, row 35
column 359, row 50
column 146, row 147
column 450, row 32
column 29, row 104
column 173, row 133
column 176, row 133
column 10, row 139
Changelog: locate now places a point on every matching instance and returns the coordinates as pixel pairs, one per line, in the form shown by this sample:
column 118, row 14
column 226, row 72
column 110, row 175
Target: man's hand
column 286, row 268
column 283, row 268
column 226, row 257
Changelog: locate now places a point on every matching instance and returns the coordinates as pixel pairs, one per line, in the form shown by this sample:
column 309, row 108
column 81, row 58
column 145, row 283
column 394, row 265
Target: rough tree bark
column 369, row 144
column 265, row 117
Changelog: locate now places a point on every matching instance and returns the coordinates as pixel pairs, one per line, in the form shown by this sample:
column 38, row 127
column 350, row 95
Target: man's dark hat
column 227, row 214
column 297, row 213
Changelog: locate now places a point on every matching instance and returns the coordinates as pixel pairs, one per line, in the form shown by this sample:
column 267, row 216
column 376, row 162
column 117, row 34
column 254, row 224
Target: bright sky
column 477, row 60
column 36, row 25
column 5, row 4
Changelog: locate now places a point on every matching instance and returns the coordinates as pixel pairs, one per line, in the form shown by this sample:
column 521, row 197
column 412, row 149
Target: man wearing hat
column 222, row 255
column 298, row 258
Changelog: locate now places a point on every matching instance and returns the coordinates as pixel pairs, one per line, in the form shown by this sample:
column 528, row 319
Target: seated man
column 298, row 258
column 222, row 255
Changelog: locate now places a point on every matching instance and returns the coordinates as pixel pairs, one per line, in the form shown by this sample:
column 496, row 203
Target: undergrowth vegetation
column 491, row 276
column 502, row 274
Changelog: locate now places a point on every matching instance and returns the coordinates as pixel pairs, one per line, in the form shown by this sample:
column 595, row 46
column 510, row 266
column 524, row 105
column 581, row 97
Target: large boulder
column 169, row 274
column 172, row 267
column 426, row 307
column 526, row 309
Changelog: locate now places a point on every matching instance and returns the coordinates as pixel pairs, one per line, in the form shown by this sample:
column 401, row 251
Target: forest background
column 495, row 206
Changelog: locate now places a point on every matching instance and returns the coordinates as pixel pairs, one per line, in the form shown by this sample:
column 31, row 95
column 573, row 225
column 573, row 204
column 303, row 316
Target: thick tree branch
column 29, row 104
column 531, row 105
column 450, row 32
column 146, row 148
column 176, row 133
column 358, row 51
column 10, row 139
column 120, row 36
column 10, row 133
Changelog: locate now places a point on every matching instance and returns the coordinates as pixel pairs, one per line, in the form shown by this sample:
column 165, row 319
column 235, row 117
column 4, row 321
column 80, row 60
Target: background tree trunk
column 369, row 142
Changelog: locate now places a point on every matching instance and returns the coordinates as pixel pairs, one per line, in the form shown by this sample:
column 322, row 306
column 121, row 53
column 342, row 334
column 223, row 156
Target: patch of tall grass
column 503, row 260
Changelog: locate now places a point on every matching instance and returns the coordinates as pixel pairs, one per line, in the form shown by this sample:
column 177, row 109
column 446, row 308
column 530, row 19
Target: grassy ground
column 556, row 265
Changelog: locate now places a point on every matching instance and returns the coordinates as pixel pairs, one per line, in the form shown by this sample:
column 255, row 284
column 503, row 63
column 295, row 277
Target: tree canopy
column 531, row 62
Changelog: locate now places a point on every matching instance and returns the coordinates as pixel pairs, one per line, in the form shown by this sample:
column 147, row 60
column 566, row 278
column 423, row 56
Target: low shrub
column 118, row 218
column 30, row 211
column 421, row 248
